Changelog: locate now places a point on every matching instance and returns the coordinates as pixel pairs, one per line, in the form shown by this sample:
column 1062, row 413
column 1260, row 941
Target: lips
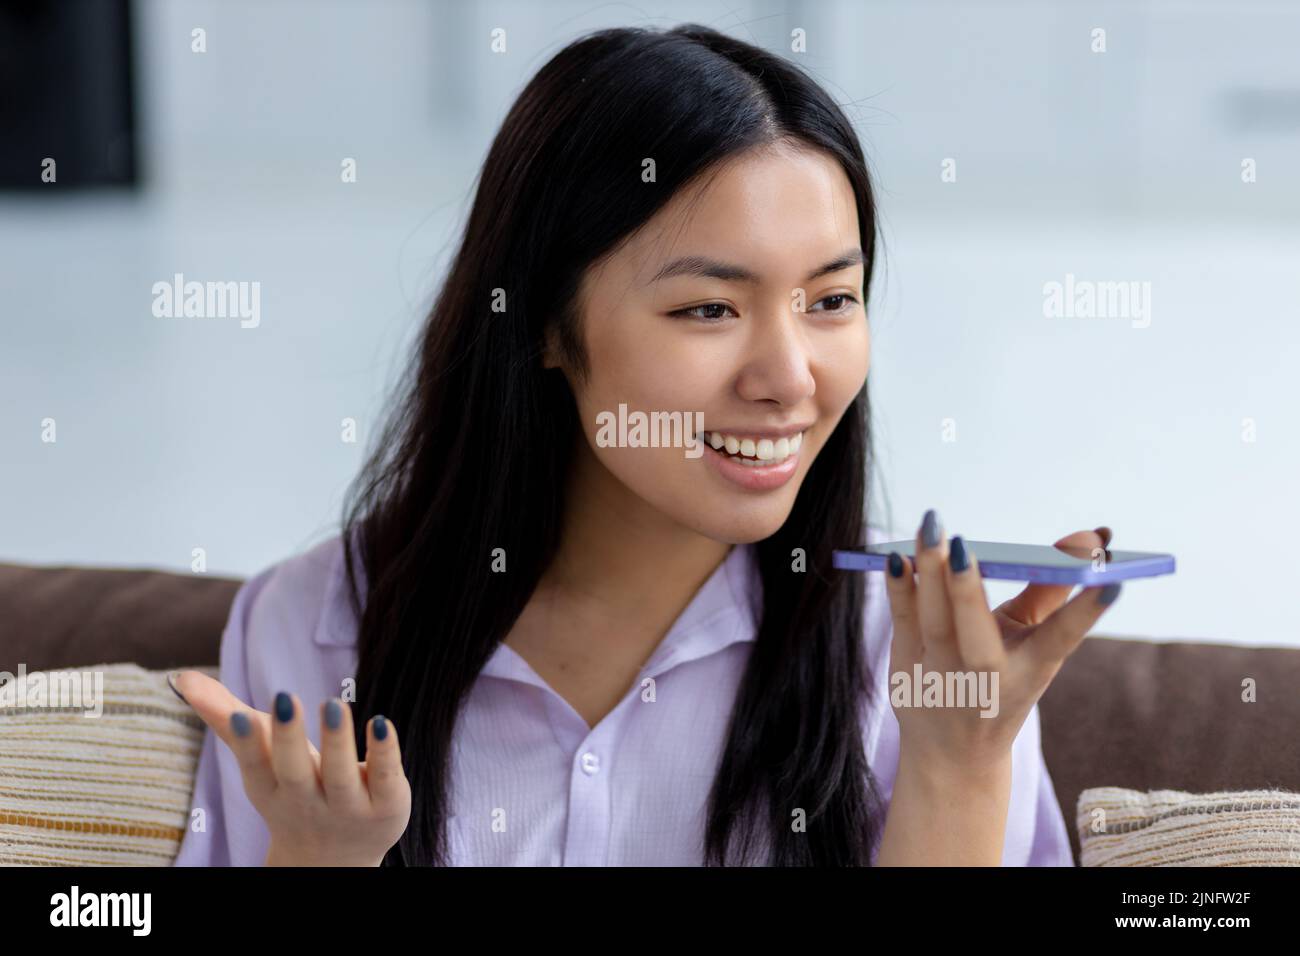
column 752, row 474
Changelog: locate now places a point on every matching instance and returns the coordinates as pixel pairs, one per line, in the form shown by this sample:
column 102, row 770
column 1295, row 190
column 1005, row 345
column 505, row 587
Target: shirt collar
column 338, row 624
column 720, row 614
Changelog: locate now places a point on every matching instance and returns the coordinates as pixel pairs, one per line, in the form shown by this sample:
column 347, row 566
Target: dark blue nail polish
column 1107, row 595
column 283, row 707
column 240, row 723
column 957, row 557
column 895, row 564
column 930, row 529
column 381, row 728
column 333, row 714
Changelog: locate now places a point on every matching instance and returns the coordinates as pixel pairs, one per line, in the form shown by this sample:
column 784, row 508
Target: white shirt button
column 590, row 764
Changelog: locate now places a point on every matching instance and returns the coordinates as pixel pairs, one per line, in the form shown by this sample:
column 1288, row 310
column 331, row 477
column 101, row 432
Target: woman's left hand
column 942, row 621
column 1019, row 616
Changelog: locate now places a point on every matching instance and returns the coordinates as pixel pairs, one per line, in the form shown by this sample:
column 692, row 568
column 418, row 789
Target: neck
column 623, row 573
column 620, row 555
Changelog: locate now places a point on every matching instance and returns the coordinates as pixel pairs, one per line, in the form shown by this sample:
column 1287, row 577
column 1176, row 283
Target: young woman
column 596, row 652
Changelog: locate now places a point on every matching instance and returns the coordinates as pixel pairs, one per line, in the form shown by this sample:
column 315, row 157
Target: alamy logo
column 208, row 300
column 102, row 909
column 1085, row 299
column 651, row 430
column 63, row 690
column 945, row 689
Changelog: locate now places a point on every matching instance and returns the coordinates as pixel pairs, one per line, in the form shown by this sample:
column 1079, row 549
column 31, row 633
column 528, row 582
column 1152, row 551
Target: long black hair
column 475, row 455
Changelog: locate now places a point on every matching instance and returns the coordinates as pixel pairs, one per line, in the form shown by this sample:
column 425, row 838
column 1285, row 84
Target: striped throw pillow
column 1119, row 827
column 97, row 767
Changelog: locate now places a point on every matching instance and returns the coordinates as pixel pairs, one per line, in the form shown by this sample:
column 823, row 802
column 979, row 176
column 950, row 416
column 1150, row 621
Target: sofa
column 1123, row 712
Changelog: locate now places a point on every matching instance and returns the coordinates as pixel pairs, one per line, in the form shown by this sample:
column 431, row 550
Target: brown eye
column 847, row 301
column 710, row 315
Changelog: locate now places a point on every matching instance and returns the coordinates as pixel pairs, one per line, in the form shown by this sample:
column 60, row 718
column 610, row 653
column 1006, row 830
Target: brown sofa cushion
column 1169, row 716
column 59, row 617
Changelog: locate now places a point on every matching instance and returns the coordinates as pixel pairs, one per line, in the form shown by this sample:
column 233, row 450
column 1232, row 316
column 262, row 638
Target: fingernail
column 240, row 724
column 381, row 728
column 172, row 685
column 895, row 564
column 1107, row 595
column 930, row 529
column 283, row 707
column 957, row 558
column 333, row 714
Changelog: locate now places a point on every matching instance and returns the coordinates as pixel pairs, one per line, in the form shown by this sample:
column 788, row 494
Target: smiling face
column 699, row 312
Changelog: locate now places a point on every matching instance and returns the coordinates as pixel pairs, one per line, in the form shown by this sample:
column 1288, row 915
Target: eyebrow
column 714, row 269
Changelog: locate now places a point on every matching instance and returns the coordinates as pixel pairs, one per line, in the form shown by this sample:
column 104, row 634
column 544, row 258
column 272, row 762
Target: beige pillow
column 103, row 780
column 1119, row 827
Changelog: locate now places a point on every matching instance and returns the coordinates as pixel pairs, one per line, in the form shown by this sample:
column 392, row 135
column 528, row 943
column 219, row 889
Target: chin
column 743, row 525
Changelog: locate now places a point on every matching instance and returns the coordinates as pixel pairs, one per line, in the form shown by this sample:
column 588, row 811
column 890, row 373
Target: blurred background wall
column 1171, row 157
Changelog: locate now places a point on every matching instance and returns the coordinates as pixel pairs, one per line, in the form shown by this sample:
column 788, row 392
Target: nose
column 778, row 366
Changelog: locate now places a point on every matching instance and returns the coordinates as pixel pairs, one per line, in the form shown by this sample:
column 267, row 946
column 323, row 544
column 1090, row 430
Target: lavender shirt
column 631, row 791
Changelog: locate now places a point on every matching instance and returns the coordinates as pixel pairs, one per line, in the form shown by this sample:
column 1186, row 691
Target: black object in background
column 66, row 93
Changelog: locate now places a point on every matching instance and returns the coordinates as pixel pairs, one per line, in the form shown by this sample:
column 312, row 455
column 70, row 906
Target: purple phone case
column 1135, row 564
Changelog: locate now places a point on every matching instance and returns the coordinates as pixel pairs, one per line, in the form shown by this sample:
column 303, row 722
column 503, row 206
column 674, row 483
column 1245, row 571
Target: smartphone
column 1040, row 564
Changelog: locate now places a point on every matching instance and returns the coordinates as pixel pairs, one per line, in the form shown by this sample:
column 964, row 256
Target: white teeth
column 755, row 451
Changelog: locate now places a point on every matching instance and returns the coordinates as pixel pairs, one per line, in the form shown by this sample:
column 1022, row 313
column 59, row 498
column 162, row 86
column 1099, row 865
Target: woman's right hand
column 323, row 807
